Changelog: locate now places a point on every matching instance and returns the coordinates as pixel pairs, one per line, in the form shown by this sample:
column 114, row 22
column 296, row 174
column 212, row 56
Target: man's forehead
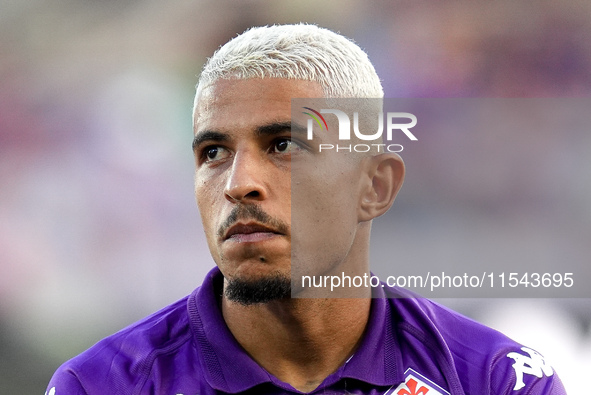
column 225, row 91
column 248, row 101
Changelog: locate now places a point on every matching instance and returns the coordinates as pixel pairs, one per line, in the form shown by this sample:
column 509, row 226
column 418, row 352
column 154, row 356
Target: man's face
column 245, row 152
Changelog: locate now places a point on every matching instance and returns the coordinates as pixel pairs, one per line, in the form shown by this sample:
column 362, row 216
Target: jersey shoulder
column 124, row 360
column 485, row 360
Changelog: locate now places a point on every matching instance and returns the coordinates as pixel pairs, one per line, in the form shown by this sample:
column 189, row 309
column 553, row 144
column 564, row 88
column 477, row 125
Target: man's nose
column 246, row 179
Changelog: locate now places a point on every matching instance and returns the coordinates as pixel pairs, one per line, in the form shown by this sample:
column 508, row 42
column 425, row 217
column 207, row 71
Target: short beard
column 263, row 290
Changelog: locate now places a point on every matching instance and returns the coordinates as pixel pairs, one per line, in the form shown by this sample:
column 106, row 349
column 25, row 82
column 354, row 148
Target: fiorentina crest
column 416, row 384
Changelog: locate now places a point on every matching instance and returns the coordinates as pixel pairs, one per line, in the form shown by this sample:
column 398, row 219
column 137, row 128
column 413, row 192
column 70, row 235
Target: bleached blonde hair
column 303, row 52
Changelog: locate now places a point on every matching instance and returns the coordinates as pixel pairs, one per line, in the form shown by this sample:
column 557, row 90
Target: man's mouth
column 251, row 232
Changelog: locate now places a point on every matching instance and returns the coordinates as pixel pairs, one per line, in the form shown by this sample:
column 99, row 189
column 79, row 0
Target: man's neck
column 299, row 341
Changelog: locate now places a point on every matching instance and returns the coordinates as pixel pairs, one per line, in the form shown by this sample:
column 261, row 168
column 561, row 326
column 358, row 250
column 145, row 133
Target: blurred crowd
column 98, row 224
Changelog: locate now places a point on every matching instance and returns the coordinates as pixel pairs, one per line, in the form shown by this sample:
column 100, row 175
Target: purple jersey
column 411, row 347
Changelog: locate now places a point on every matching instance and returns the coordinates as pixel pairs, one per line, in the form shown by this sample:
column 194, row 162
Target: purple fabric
column 412, row 346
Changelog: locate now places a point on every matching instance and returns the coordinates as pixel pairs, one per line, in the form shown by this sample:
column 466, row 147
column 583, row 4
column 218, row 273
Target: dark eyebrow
column 264, row 130
column 208, row 135
column 280, row 127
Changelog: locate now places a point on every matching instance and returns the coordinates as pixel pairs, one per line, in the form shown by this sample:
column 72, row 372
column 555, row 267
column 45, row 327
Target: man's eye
column 213, row 153
column 284, row 146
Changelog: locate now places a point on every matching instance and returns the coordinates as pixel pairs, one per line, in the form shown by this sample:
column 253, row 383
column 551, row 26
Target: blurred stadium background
column 98, row 226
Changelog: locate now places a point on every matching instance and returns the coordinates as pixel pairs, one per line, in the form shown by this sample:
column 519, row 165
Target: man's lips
column 249, row 232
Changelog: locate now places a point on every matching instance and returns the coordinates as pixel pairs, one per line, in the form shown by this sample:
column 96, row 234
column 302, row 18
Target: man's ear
column 383, row 177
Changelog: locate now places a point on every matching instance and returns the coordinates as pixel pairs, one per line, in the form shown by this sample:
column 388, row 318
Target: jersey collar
column 377, row 360
column 227, row 367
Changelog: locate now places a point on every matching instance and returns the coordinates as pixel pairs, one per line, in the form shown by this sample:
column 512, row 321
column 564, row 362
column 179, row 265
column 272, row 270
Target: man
column 256, row 177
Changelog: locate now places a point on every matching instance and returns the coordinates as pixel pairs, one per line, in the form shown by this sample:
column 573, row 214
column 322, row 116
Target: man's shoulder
column 482, row 358
column 123, row 360
column 455, row 328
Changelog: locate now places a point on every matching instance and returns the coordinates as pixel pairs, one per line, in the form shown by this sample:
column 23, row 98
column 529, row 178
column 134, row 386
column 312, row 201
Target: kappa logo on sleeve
column 534, row 365
column 416, row 384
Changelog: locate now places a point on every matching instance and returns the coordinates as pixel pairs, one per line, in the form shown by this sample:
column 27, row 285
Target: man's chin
column 255, row 291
